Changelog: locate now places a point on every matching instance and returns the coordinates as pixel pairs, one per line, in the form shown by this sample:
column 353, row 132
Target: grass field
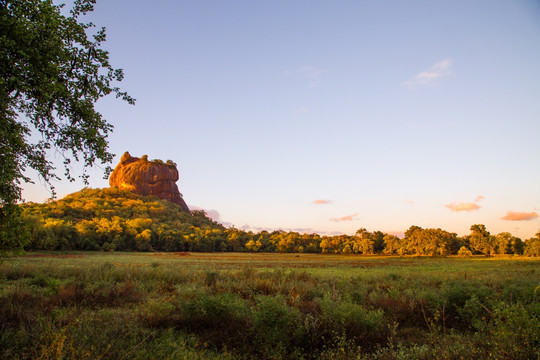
column 267, row 306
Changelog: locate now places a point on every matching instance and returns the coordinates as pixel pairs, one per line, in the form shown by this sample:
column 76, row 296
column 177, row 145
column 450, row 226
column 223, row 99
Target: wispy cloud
column 465, row 206
column 311, row 73
column 301, row 111
column 345, row 218
column 426, row 77
column 322, row 202
column 519, row 216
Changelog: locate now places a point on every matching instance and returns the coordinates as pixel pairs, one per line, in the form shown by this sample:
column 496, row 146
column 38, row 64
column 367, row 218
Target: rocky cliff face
column 148, row 178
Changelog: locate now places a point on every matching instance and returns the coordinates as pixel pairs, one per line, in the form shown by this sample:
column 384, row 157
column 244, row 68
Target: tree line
column 114, row 219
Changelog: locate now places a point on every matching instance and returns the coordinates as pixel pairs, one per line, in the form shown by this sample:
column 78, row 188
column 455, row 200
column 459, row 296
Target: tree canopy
column 117, row 219
column 53, row 71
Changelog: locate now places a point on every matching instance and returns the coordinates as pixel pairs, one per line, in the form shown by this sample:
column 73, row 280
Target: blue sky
column 332, row 116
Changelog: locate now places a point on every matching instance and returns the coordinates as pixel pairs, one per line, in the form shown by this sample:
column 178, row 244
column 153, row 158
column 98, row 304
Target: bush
column 511, row 333
column 352, row 319
column 274, row 321
column 222, row 319
column 464, row 251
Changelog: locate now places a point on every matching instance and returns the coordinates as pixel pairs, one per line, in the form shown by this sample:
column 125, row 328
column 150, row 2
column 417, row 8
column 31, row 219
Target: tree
column 52, row 74
column 532, row 246
column 506, row 243
column 481, row 240
column 363, row 242
column 464, row 251
column 392, row 245
column 378, row 241
column 413, row 240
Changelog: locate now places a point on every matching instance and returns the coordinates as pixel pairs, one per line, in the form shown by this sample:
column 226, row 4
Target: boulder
column 146, row 177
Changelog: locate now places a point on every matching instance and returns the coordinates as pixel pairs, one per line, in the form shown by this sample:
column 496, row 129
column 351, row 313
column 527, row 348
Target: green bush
column 274, row 321
column 222, row 319
column 511, row 332
column 352, row 319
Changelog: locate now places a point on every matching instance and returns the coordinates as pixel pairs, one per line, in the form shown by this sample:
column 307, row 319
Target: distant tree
column 143, row 240
column 325, row 244
column 532, row 246
column 413, row 242
column 392, row 245
column 464, row 251
column 518, row 246
column 430, row 242
column 51, row 76
column 253, row 245
column 310, row 243
column 363, row 242
column 506, row 243
column 481, row 240
column 460, row 241
column 378, row 241
column 263, row 238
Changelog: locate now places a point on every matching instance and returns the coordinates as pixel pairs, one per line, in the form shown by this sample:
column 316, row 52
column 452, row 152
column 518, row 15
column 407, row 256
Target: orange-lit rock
column 148, row 178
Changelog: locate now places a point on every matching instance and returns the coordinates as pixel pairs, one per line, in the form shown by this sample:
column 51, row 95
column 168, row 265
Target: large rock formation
column 148, row 178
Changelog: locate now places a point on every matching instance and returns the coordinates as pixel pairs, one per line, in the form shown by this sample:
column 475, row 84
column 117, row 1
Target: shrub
column 274, row 320
column 464, row 251
column 352, row 319
column 221, row 319
column 510, row 332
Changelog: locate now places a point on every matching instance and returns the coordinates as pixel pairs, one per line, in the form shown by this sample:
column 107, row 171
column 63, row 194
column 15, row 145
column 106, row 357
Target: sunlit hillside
column 115, row 219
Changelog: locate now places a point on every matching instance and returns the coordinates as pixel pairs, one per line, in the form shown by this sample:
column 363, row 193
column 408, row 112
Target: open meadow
column 94, row 305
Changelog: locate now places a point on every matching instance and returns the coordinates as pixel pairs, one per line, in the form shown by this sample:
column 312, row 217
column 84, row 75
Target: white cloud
column 310, row 73
column 351, row 217
column 426, row 77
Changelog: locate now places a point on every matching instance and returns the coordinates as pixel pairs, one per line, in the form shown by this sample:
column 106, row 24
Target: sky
column 328, row 117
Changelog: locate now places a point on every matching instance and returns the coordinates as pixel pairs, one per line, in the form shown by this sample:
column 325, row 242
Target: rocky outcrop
column 148, row 178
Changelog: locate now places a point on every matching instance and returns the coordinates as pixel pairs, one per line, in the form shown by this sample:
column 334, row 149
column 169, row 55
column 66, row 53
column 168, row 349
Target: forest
column 113, row 219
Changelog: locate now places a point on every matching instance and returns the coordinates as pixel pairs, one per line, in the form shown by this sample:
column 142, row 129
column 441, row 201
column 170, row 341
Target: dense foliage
column 267, row 306
column 52, row 72
column 114, row 219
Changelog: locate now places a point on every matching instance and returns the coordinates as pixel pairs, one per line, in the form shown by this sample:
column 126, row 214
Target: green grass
column 92, row 305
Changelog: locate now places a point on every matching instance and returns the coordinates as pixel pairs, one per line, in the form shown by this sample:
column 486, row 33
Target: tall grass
column 148, row 306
